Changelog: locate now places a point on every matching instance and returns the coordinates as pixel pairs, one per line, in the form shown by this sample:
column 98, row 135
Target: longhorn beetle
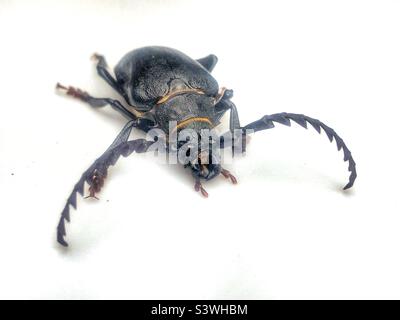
column 163, row 85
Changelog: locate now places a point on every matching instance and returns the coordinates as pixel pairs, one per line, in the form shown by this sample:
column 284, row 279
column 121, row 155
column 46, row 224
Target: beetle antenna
column 267, row 122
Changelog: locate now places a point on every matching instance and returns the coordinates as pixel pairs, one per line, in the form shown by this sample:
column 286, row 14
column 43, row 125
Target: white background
column 285, row 231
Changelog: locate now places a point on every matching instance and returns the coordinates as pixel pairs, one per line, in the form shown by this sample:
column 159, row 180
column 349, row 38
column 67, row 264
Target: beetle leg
column 102, row 70
column 77, row 93
column 198, row 187
column 96, row 102
column 97, row 182
column 229, row 175
column 220, row 95
column 223, row 105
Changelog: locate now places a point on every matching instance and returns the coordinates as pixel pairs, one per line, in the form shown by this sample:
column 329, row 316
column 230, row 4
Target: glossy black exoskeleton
column 163, row 86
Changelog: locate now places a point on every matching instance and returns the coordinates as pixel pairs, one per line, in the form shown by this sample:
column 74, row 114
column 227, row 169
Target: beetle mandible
column 163, row 85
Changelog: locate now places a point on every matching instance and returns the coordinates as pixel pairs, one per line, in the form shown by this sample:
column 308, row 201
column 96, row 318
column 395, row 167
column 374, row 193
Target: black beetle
column 165, row 86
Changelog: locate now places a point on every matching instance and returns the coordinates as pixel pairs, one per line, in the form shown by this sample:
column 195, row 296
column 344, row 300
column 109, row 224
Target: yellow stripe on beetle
column 178, row 92
column 186, row 122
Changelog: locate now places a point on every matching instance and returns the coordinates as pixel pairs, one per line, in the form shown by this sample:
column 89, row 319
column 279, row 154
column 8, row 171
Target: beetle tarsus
column 97, row 182
column 74, row 92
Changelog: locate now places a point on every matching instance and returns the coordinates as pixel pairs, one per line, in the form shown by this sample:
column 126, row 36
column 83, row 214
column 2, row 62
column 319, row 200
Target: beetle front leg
column 96, row 183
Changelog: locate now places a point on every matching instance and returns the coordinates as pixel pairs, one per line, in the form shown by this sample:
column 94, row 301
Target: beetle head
column 205, row 166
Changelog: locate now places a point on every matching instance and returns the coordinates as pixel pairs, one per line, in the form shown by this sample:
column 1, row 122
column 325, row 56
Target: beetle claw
column 91, row 196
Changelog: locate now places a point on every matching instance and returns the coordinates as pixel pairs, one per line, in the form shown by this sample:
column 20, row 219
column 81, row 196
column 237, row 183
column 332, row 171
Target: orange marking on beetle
column 190, row 120
column 178, row 92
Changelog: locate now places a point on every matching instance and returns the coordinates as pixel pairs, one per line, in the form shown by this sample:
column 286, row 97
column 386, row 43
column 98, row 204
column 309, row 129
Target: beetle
column 161, row 86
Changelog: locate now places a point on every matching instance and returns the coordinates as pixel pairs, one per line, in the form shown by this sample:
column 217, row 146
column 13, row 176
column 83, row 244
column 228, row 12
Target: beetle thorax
column 186, row 110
